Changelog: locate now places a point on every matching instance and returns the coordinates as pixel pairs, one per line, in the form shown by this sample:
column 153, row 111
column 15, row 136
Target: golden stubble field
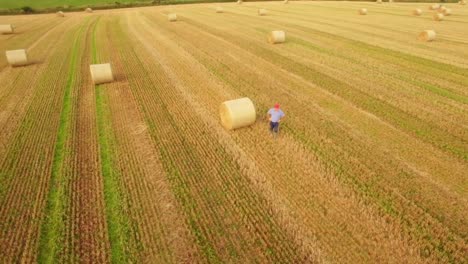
column 370, row 165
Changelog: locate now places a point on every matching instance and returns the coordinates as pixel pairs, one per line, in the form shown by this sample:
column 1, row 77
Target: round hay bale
column 101, row 73
column 88, row 10
column 7, row 29
column 379, row 1
column 239, row 2
column 172, row 17
column 447, row 12
column 60, row 14
column 417, row 12
column 434, row 7
column 442, row 8
column 277, row 36
column 285, row 2
column 363, row 11
column 462, row 2
column 237, row 113
column 427, row 35
column 17, row 57
column 219, row 9
column 390, row 1
column 438, row 17
column 262, row 12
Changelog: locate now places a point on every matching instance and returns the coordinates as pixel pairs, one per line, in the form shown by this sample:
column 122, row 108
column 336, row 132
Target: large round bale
column 462, row 2
column 7, row 29
column 219, row 9
column 442, row 9
column 363, row 11
column 447, row 12
column 379, row 1
column 17, row 57
column 285, row 2
column 237, row 113
column 101, row 73
column 427, row 35
column 438, row 17
column 262, row 12
column 172, row 17
column 390, row 1
column 60, row 14
column 417, row 12
column 239, row 2
column 434, row 7
column 277, row 36
column 88, row 10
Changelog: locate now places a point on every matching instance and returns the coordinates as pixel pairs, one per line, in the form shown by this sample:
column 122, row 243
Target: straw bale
column 7, row 29
column 101, row 73
column 237, row 113
column 427, row 35
column 17, row 57
column 277, row 36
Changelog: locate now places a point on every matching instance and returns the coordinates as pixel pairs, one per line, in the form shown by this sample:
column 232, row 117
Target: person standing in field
column 275, row 115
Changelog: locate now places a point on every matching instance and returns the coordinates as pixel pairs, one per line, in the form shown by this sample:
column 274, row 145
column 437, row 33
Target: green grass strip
column 117, row 222
column 53, row 226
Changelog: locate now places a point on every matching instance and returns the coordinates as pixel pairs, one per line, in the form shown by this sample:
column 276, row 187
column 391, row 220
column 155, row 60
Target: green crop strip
column 53, row 226
column 117, row 223
column 432, row 88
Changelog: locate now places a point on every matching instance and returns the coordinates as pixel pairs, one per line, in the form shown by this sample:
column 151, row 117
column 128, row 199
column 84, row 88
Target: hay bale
column 442, row 9
column 277, row 36
column 427, row 35
column 239, row 2
column 438, row 17
column 101, row 73
column 17, row 57
column 379, row 1
column 390, row 1
column 60, row 14
column 237, row 113
column 434, row 7
column 363, row 11
column 262, row 12
column 219, row 9
column 285, row 2
column 447, row 12
column 7, row 29
column 417, row 12
column 88, row 10
column 463, row 2
column 172, row 17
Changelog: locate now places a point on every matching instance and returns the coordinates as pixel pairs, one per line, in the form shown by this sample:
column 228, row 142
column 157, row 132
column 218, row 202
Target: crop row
column 27, row 163
column 227, row 218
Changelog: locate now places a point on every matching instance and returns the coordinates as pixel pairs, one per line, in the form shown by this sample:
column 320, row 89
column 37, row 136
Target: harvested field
column 370, row 165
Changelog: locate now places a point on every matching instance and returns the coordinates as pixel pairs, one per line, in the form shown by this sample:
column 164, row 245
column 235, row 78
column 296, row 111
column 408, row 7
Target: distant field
column 39, row 5
column 59, row 4
column 370, row 165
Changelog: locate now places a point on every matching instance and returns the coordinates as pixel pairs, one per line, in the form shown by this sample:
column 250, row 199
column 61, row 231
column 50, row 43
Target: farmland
column 370, row 165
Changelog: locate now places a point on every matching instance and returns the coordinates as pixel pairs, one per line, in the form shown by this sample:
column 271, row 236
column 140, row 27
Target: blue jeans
column 274, row 126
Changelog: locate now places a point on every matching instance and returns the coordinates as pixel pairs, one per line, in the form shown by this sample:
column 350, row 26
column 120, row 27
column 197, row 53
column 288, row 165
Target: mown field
column 370, row 166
